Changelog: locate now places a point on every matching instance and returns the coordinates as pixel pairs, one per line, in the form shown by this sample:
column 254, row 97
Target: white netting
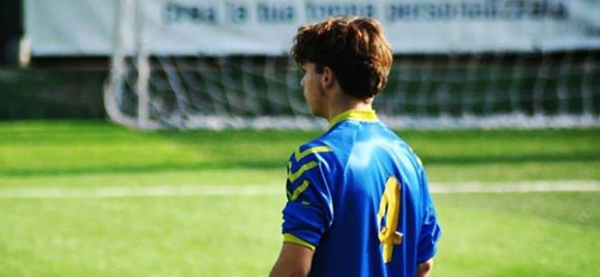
column 428, row 92
column 541, row 89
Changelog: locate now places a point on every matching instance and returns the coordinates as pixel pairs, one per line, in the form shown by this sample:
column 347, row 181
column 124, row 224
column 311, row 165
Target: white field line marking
column 255, row 190
column 118, row 192
column 538, row 186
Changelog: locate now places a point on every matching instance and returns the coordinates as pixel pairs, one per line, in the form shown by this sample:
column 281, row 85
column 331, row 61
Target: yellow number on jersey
column 390, row 205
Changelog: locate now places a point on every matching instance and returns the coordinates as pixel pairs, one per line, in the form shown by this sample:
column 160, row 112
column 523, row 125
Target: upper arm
column 294, row 260
column 308, row 212
column 424, row 268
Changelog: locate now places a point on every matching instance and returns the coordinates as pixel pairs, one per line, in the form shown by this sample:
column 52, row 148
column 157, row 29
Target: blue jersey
column 359, row 197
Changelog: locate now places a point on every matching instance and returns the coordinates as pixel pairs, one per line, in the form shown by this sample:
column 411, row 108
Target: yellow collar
column 361, row 115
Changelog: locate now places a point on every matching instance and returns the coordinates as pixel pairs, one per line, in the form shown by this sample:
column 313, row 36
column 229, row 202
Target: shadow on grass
column 514, row 159
column 133, row 169
column 276, row 164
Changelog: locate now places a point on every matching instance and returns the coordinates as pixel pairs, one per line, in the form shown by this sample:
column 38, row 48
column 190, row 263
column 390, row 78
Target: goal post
column 200, row 64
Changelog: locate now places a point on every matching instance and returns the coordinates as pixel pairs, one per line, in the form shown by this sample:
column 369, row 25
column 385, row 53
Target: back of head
column 354, row 48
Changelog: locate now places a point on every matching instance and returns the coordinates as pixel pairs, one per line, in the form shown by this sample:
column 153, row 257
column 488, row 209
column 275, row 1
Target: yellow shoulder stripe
column 299, row 155
column 299, row 190
column 293, row 176
column 287, row 237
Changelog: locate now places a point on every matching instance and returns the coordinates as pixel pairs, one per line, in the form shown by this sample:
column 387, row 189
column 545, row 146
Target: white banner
column 192, row 27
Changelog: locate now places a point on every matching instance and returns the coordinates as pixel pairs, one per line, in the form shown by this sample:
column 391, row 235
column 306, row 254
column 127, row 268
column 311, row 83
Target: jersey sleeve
column 308, row 212
column 430, row 229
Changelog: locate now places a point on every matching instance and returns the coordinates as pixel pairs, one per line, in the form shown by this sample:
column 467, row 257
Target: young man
column 358, row 199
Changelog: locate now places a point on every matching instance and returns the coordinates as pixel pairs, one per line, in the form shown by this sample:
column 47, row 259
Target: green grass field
column 65, row 208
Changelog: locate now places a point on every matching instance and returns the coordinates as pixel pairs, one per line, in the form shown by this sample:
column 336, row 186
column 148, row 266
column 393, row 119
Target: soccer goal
column 457, row 64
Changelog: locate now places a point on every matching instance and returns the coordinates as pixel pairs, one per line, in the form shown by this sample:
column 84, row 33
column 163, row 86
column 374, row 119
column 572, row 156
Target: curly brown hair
column 355, row 49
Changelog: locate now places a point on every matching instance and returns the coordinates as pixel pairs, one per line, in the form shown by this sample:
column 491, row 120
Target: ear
column 327, row 78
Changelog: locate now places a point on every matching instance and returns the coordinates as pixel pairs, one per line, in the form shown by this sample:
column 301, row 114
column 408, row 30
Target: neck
column 348, row 104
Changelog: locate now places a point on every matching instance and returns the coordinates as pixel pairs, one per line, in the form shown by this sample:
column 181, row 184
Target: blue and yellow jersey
column 358, row 196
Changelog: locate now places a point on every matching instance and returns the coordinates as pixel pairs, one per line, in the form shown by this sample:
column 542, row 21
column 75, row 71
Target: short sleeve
column 308, row 212
column 430, row 229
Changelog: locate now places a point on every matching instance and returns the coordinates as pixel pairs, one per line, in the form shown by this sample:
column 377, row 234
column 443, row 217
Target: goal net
column 459, row 82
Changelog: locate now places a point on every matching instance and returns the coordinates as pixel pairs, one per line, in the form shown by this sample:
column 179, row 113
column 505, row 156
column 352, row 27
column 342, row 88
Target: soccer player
column 358, row 199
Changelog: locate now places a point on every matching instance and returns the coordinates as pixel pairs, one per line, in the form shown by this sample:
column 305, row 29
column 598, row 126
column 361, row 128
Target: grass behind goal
column 54, row 221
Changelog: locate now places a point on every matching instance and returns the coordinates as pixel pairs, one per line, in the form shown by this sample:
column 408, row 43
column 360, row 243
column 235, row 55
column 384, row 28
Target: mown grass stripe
column 254, row 190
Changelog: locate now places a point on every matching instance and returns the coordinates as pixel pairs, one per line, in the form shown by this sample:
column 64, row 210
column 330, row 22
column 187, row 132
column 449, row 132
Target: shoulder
column 314, row 155
column 311, row 151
